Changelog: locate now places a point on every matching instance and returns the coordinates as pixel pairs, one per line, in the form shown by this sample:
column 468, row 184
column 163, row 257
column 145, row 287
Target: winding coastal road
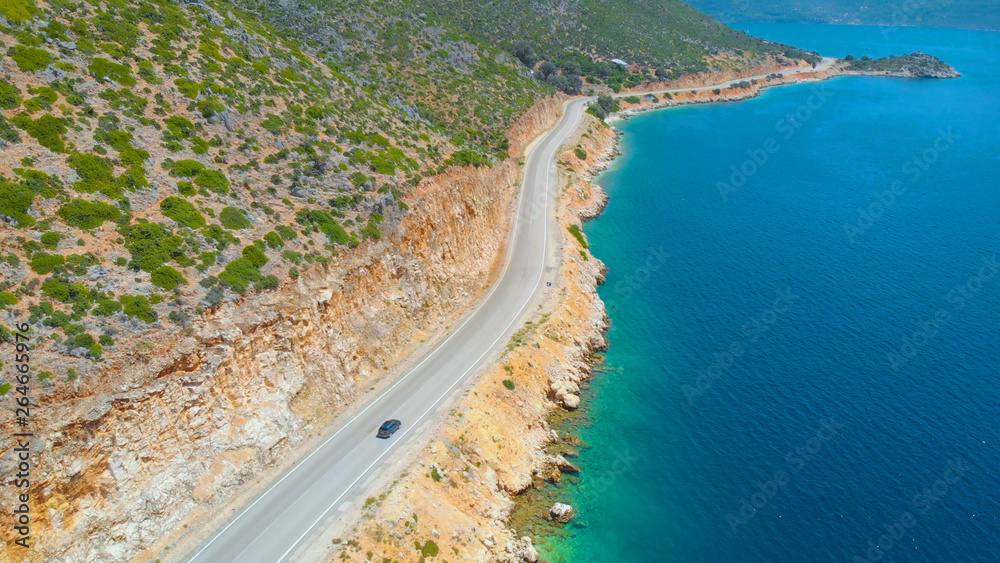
column 282, row 522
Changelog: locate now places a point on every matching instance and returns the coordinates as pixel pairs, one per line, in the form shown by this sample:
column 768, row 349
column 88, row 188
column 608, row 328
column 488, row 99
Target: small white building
column 619, row 62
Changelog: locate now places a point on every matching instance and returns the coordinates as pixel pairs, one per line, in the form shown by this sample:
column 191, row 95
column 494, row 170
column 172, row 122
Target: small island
column 913, row 65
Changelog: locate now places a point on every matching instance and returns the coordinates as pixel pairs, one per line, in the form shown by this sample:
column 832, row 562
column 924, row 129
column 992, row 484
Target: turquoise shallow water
column 804, row 369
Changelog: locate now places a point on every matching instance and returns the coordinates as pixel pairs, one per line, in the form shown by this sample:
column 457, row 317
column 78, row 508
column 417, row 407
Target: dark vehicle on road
column 388, row 428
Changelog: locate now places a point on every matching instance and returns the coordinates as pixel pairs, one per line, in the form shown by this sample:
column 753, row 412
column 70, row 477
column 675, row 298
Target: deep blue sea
column 805, row 297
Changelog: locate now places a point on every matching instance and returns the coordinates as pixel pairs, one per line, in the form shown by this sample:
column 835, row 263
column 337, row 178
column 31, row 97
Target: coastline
column 470, row 489
column 681, row 97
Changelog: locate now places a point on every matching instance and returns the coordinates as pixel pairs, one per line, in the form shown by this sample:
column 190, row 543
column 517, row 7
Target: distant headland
column 913, row 65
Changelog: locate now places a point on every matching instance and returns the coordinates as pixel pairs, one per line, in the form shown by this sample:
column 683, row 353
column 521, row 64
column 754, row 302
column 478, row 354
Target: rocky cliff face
column 174, row 430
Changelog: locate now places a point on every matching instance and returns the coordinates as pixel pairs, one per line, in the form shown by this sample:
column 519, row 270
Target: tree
column 523, row 51
column 560, row 81
column 606, row 102
column 546, row 70
column 571, row 68
column 575, row 84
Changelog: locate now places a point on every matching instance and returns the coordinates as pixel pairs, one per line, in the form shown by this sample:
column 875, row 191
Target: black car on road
column 388, row 428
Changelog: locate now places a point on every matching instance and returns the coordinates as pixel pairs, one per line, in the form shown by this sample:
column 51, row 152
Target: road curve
column 283, row 519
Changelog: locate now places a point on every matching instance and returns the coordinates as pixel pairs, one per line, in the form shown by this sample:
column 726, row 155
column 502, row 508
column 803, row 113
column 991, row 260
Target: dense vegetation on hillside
column 162, row 158
column 973, row 14
column 578, row 39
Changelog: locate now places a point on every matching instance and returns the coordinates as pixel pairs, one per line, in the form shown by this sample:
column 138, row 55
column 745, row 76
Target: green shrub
column 7, row 299
column 239, row 274
column 106, row 340
column 15, row 200
column 18, row 10
column 95, row 172
column 10, row 95
column 210, row 107
column 255, row 255
column 266, row 283
column 182, row 211
column 292, row 256
column 286, row 232
column 103, row 69
column 429, row 549
column 137, row 306
column 234, row 218
column 167, row 278
column 325, row 223
column 48, row 130
column 207, row 258
column 50, row 240
column 371, row 231
column 8, row 132
column 575, row 231
column 84, row 214
column 580, row 153
column 148, row 72
column 132, row 155
column 188, row 88
column 82, row 340
column 186, row 188
column 274, row 240
column 55, row 288
column 213, row 181
column 107, row 307
column 218, row 236
column 179, row 128
column 30, row 59
column 186, row 168
column 358, row 179
column 467, row 157
column 508, row 384
column 32, row 105
column 151, row 245
column 43, row 263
